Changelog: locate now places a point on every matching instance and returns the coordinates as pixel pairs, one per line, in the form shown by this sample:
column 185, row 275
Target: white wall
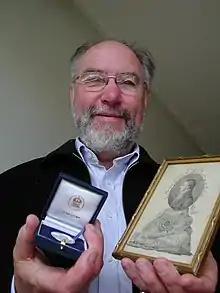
column 37, row 38
column 163, row 136
column 184, row 39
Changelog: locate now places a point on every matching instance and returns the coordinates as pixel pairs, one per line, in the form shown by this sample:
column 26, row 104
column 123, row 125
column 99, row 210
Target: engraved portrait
column 186, row 191
column 171, row 230
column 178, row 214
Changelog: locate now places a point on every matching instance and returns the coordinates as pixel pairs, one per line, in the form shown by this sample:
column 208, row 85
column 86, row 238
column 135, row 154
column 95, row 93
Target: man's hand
column 162, row 277
column 31, row 273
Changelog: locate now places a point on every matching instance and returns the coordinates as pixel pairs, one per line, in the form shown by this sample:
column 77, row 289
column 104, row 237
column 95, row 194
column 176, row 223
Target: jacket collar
column 69, row 148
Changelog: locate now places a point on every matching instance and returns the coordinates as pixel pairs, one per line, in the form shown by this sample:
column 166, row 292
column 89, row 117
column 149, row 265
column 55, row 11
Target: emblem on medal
column 76, row 202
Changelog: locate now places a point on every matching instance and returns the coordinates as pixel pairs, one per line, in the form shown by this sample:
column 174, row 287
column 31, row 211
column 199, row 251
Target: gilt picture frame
column 178, row 216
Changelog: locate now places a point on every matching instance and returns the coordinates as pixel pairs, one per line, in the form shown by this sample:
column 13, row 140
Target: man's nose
column 111, row 93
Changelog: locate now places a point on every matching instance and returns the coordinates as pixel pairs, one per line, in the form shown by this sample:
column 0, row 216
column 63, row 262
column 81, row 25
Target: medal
column 63, row 238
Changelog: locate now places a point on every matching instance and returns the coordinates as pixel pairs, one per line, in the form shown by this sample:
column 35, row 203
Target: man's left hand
column 162, row 277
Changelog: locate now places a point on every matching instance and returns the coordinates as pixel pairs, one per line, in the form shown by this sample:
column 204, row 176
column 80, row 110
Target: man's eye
column 128, row 82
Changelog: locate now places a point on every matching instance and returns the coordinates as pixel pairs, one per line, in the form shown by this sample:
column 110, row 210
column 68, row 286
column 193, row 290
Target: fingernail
column 125, row 265
column 160, row 266
column 26, row 223
column 140, row 266
column 93, row 228
column 142, row 263
column 93, row 257
column 188, row 285
column 90, row 226
column 97, row 223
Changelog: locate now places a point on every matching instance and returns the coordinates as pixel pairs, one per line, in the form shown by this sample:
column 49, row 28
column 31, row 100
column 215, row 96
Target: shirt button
column 110, row 184
column 90, row 156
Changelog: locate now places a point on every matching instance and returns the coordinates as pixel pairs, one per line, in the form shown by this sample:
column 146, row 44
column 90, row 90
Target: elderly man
column 108, row 95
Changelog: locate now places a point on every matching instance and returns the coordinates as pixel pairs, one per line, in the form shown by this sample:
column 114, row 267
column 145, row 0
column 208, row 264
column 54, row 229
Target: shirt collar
column 89, row 157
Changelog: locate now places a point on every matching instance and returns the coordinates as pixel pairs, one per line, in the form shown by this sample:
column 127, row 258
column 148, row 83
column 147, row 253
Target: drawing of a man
column 184, row 198
column 171, row 230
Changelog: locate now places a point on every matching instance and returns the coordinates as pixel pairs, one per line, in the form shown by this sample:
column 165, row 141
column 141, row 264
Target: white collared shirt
column 112, row 277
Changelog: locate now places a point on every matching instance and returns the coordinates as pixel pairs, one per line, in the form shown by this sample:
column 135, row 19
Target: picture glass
column 177, row 213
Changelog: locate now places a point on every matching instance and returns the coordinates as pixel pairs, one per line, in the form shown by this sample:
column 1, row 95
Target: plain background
column 37, row 40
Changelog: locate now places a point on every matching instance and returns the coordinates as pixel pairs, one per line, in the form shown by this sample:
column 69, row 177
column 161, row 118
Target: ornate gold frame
column 208, row 234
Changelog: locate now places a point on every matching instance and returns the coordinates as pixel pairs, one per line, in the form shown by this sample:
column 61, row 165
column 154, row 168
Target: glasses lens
column 128, row 83
column 93, row 81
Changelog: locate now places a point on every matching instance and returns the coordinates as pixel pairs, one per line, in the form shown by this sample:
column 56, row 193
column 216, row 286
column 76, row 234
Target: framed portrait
column 178, row 216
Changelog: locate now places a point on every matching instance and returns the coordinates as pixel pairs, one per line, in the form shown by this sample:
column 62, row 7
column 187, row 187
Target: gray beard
column 106, row 138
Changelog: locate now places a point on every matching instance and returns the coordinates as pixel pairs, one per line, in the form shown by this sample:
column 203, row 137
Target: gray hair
column 144, row 56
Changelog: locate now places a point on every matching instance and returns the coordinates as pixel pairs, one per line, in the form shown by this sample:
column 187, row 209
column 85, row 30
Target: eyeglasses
column 95, row 81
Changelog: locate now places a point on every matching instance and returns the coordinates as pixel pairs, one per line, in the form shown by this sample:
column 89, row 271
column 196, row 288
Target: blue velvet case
column 71, row 205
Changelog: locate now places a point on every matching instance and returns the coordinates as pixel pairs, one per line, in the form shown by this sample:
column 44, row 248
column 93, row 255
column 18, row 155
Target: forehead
column 112, row 57
column 185, row 182
column 188, row 183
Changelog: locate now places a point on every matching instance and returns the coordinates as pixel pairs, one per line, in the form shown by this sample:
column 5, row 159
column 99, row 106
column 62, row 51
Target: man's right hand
column 32, row 275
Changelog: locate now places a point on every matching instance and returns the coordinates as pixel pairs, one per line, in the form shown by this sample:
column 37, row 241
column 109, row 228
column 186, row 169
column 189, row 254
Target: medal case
column 71, row 205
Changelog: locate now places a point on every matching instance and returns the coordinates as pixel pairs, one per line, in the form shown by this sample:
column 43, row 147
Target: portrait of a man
column 170, row 231
column 184, row 199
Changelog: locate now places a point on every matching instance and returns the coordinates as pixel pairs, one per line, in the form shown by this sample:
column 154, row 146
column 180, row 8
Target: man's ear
column 146, row 97
column 71, row 94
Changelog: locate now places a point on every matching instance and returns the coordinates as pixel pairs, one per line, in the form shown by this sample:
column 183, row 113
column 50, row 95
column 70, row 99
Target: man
column 108, row 95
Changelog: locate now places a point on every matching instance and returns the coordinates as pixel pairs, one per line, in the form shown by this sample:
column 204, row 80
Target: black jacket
column 25, row 189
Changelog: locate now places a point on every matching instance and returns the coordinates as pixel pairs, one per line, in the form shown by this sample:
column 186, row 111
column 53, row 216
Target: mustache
column 92, row 111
